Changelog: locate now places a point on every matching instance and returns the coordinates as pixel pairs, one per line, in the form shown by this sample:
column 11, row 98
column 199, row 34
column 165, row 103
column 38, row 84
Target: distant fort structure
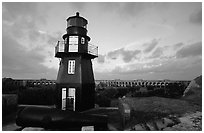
column 107, row 83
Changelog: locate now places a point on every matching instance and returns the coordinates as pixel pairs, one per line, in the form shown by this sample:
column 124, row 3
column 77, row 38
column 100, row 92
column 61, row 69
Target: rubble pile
column 189, row 122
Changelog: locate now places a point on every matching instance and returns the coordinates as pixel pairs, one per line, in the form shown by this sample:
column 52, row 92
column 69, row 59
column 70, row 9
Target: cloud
column 161, row 63
column 12, row 10
column 126, row 10
column 157, row 53
column 196, row 18
column 19, row 63
column 79, row 5
column 174, row 69
column 127, row 55
column 190, row 50
column 178, row 45
column 130, row 9
column 52, row 39
column 150, row 46
column 22, row 18
column 101, row 58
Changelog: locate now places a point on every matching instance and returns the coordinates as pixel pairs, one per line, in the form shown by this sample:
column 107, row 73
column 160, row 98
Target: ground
column 145, row 112
column 153, row 109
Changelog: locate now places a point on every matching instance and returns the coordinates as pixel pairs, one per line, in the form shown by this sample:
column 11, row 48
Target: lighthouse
column 75, row 85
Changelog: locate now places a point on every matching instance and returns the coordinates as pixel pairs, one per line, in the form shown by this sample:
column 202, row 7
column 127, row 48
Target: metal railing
column 60, row 47
column 92, row 49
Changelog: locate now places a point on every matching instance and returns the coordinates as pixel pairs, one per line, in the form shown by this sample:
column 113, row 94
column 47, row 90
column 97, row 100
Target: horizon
column 136, row 40
column 108, row 79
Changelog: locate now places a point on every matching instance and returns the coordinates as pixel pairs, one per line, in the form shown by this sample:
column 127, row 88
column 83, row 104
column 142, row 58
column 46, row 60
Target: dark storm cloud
column 196, row 18
column 190, row 50
column 17, row 62
column 127, row 55
column 150, row 46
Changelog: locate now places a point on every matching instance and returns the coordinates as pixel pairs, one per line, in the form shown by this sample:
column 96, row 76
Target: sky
column 149, row 41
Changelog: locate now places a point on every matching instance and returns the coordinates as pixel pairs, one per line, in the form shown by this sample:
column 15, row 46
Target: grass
column 145, row 109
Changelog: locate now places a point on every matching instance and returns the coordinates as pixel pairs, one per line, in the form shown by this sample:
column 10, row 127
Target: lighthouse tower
column 75, row 86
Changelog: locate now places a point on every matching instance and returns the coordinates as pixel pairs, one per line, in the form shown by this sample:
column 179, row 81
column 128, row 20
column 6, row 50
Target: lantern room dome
column 77, row 21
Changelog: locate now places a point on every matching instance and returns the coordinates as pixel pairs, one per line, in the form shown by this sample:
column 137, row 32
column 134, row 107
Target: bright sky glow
column 136, row 40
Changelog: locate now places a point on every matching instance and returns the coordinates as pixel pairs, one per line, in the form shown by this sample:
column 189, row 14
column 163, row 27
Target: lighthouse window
column 82, row 40
column 71, row 67
column 63, row 98
column 73, row 39
column 73, row 43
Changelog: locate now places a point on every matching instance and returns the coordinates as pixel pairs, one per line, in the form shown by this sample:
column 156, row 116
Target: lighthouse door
column 64, row 98
column 71, row 99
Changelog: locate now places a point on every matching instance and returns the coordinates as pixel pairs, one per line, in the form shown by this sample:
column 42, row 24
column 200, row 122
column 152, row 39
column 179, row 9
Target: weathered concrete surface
column 188, row 122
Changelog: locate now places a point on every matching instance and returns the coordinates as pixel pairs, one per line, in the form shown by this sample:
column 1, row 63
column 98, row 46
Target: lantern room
column 76, row 39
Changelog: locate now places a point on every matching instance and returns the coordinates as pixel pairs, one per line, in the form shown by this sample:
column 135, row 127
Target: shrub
column 122, row 91
column 109, row 93
column 37, row 96
column 9, row 103
column 102, row 101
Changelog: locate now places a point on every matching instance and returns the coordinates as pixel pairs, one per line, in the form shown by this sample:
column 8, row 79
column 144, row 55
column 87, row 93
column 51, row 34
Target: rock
column 139, row 127
column 152, row 126
column 160, row 124
column 169, row 129
column 193, row 92
column 186, row 120
column 189, row 122
column 168, row 122
column 183, row 127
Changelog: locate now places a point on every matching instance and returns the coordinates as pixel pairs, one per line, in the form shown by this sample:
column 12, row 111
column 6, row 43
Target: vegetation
column 9, row 104
column 43, row 95
column 8, row 87
column 144, row 109
column 104, row 94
